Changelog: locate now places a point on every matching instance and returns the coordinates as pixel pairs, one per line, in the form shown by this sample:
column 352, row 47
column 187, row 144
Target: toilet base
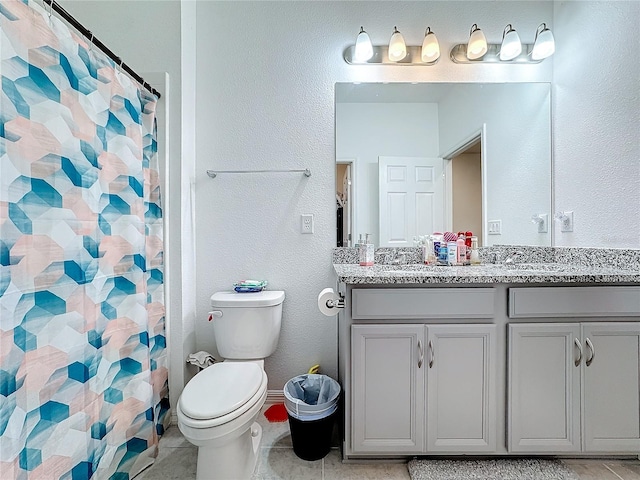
column 235, row 460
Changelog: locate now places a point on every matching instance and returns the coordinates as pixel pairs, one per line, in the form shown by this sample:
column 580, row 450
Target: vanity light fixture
column 509, row 51
column 397, row 47
column 511, row 46
column 363, row 49
column 430, row 47
column 477, row 44
column 544, row 44
column 396, row 52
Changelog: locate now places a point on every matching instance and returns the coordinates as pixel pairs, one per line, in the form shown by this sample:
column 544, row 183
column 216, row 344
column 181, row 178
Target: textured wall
column 596, row 95
column 265, row 87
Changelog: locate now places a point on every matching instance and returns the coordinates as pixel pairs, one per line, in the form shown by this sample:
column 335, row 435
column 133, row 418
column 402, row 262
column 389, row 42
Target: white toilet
column 218, row 407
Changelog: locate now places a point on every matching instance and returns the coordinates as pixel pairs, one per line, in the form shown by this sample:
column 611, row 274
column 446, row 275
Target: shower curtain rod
column 94, row 41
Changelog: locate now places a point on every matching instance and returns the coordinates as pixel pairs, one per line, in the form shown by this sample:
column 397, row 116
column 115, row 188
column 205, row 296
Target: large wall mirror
column 413, row 159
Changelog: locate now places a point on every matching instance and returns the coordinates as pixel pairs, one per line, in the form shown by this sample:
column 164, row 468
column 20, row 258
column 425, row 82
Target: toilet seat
column 221, row 393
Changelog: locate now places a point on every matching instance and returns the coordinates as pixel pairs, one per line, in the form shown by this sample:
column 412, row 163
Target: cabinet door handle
column 579, row 345
column 420, row 354
column 593, row 352
column 433, row 354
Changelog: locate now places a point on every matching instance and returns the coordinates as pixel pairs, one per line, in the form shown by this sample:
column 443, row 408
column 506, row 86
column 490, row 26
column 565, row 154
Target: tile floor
column 177, row 461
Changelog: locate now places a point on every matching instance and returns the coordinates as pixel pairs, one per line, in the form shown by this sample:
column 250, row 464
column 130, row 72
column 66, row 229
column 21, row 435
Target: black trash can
column 311, row 401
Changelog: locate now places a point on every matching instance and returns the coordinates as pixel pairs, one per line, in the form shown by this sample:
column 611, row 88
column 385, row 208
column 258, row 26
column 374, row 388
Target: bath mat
column 276, row 413
column 491, row 469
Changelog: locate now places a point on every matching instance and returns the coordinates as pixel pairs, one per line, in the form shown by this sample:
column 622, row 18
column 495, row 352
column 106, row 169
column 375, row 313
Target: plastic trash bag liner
column 311, row 396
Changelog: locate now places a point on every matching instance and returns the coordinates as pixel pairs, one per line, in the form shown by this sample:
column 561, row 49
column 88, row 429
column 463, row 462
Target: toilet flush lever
column 214, row 313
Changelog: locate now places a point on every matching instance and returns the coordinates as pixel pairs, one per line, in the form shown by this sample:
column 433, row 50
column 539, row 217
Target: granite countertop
column 485, row 274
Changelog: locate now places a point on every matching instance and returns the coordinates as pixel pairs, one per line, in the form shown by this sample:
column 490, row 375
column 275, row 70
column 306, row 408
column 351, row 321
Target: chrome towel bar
column 215, row 173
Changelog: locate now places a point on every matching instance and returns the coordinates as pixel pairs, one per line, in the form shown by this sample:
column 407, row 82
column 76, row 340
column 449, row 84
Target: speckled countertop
column 554, row 265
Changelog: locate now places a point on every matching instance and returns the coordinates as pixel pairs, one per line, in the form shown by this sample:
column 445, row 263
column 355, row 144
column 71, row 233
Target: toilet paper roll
column 323, row 297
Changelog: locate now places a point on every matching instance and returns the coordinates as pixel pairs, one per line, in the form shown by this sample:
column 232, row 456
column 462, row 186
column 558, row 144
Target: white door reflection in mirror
column 411, row 199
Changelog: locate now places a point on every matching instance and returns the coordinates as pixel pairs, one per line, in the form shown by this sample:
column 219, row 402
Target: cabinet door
column 544, row 387
column 461, row 403
column 388, row 388
column 611, row 387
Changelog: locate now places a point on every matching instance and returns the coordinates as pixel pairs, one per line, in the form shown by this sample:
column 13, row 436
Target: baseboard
column 274, row 396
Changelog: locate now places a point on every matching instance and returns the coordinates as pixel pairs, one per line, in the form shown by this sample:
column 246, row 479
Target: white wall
column 518, row 152
column 366, row 131
column 596, row 96
column 265, row 87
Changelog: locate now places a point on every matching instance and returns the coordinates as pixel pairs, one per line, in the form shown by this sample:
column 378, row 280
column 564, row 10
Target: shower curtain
column 83, row 363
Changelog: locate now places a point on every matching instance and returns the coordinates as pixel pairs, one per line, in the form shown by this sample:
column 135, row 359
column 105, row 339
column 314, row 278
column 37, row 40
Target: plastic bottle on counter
column 366, row 252
column 443, row 254
column 461, row 250
column 452, row 253
column 475, row 254
column 467, row 242
column 437, row 241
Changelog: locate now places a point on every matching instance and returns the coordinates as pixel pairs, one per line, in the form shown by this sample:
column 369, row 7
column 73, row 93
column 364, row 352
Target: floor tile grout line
column 607, row 467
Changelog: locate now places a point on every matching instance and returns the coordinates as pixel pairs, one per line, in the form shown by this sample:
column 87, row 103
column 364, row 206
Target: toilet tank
column 246, row 326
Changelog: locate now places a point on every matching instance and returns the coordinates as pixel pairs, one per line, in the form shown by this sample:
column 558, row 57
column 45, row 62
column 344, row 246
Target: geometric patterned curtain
column 83, row 360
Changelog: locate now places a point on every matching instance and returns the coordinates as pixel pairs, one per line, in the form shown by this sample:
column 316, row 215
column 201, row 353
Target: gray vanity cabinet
column 574, row 387
column 388, row 401
column 461, row 379
column 423, row 388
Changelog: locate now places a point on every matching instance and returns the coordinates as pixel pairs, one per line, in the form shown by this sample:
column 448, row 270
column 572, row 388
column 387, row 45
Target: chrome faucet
column 399, row 258
column 511, row 258
column 394, row 257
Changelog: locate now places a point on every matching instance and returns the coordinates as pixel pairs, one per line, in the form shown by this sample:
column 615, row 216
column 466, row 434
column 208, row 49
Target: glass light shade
column 544, row 46
column 511, row 45
column 430, row 47
column 397, row 47
column 364, row 49
column 477, row 45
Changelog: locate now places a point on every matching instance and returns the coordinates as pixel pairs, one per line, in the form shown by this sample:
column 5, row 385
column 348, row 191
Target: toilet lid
column 220, row 389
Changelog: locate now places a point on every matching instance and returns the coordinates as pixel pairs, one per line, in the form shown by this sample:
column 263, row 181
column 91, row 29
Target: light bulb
column 477, row 45
column 430, row 47
column 511, row 45
column 397, row 47
column 364, row 49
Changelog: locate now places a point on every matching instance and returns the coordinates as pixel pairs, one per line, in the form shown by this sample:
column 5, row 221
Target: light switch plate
column 494, row 227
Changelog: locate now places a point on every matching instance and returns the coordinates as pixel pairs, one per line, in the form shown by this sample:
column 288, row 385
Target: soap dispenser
column 365, row 252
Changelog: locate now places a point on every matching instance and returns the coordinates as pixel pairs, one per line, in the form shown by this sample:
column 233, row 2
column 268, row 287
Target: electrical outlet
column 307, row 223
column 566, row 223
column 543, row 224
column 494, row 227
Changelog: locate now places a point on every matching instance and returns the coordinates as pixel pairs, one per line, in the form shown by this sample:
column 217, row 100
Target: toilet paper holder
column 336, row 303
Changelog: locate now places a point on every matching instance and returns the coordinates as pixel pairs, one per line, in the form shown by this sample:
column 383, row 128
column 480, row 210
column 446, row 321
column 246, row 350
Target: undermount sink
column 528, row 267
column 510, row 268
column 545, row 267
column 410, row 267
